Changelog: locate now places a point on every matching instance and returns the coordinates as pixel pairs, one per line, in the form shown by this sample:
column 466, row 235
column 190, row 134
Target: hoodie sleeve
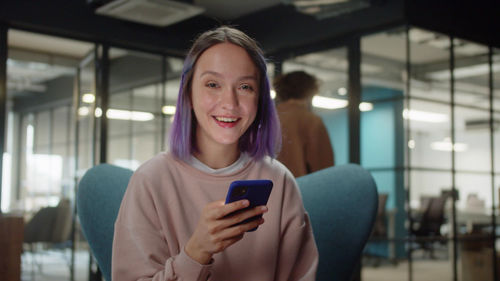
column 140, row 249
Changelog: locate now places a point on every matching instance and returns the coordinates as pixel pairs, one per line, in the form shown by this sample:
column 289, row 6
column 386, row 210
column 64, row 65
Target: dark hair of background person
column 295, row 85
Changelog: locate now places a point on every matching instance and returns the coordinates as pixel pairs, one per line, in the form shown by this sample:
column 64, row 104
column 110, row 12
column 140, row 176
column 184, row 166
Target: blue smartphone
column 255, row 191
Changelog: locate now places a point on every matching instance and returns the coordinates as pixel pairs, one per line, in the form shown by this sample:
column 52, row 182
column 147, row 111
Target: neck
column 217, row 157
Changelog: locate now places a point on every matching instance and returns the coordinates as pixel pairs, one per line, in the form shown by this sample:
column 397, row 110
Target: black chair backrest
column 433, row 216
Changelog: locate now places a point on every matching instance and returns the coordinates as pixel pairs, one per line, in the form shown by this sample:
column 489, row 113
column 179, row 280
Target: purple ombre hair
column 263, row 137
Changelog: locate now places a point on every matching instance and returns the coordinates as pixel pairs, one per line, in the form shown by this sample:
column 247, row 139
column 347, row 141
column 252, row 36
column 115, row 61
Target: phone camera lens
column 239, row 192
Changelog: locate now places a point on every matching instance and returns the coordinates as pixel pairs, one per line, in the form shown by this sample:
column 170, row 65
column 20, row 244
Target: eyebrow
column 251, row 77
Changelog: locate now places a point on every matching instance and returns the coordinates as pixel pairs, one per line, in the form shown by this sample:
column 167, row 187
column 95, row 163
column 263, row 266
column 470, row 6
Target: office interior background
column 409, row 90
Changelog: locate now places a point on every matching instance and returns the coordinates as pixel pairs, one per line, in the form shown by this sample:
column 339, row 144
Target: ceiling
column 36, row 58
column 291, row 33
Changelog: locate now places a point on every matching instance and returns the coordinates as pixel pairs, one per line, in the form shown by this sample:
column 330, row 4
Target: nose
column 229, row 99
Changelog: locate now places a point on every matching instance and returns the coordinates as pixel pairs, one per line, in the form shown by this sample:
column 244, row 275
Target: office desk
column 472, row 217
column 11, row 243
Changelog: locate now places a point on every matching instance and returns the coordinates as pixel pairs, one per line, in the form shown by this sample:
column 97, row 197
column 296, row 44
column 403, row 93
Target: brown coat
column 306, row 146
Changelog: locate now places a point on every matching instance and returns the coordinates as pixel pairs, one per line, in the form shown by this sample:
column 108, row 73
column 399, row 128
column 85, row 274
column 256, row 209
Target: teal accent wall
column 382, row 152
column 337, row 125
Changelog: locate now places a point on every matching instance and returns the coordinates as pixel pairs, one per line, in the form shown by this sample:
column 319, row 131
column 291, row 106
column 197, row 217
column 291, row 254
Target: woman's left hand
column 219, row 227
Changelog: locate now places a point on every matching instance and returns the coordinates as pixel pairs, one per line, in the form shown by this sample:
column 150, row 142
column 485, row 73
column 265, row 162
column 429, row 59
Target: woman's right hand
column 218, row 228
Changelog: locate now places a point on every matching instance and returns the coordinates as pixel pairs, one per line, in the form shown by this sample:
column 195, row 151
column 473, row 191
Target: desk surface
column 474, row 216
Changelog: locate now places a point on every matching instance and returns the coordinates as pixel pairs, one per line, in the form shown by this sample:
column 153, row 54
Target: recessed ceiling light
column 342, row 91
column 273, row 94
column 168, row 110
column 88, row 98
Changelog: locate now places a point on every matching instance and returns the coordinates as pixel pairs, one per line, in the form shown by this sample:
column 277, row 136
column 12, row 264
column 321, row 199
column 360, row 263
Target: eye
column 212, row 84
column 246, row 87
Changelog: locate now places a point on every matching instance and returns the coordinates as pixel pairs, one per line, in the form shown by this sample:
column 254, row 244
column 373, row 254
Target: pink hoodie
column 160, row 211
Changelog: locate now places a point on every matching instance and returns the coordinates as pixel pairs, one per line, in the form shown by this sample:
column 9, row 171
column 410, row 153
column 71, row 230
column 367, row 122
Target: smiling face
column 224, row 96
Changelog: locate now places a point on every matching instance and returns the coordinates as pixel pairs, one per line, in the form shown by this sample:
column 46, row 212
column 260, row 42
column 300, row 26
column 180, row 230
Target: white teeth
column 226, row 119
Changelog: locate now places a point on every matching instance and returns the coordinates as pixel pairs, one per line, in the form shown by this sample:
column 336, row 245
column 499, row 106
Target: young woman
column 173, row 223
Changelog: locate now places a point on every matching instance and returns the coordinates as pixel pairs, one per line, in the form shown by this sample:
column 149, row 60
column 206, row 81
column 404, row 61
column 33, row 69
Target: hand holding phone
column 255, row 191
column 211, row 235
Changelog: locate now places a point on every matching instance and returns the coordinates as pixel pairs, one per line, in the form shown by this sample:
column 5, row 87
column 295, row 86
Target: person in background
column 173, row 222
column 306, row 146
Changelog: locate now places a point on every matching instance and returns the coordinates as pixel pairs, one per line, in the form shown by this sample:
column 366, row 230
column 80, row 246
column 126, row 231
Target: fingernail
column 245, row 203
column 263, row 208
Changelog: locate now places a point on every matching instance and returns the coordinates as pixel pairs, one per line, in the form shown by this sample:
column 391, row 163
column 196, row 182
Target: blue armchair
column 341, row 202
column 98, row 200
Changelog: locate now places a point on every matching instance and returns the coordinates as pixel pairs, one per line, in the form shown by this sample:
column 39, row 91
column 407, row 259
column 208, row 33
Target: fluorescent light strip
column 424, row 116
column 447, row 146
column 129, row 115
column 365, row 106
column 464, row 72
column 332, row 103
column 328, row 103
column 119, row 114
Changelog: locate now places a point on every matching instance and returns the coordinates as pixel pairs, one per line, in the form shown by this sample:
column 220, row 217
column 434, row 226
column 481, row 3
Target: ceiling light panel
column 151, row 12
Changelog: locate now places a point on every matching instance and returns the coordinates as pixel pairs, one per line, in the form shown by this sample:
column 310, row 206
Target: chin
column 227, row 141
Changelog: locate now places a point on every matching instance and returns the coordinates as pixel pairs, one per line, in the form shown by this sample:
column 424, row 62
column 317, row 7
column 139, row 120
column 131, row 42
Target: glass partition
column 383, row 57
column 472, row 149
column 447, row 155
column 135, row 107
column 137, row 87
column 42, row 166
column 429, row 123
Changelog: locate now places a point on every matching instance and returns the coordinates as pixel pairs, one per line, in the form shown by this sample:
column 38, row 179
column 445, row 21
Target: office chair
column 50, row 227
column 427, row 230
column 341, row 202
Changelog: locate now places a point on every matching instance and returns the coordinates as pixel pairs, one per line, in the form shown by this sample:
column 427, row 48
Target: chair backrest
column 342, row 205
column 341, row 202
column 433, row 216
column 62, row 224
column 40, row 227
column 50, row 224
column 100, row 193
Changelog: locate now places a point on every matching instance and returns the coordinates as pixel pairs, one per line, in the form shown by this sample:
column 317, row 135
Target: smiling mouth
column 226, row 119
